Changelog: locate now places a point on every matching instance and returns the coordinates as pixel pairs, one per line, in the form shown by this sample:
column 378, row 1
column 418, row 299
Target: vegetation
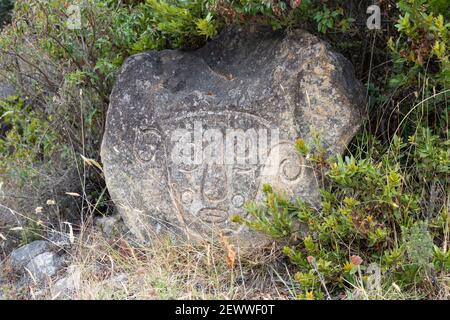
column 382, row 228
column 5, row 8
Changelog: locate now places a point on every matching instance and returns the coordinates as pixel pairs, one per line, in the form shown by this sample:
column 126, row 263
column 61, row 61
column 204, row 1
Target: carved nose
column 215, row 183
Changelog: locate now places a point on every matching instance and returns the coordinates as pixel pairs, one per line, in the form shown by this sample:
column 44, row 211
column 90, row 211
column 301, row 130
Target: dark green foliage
column 5, row 11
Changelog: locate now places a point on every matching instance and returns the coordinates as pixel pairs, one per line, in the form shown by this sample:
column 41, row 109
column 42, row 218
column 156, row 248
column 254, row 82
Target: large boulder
column 191, row 136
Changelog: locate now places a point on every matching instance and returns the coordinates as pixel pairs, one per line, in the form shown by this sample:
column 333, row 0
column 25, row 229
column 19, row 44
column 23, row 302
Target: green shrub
column 64, row 75
column 281, row 13
column 372, row 211
column 25, row 139
column 423, row 42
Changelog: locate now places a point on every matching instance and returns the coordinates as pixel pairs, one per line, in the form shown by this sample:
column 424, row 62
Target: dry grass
column 163, row 269
column 121, row 268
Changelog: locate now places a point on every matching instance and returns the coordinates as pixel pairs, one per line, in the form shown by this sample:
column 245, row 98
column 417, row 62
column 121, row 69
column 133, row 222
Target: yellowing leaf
column 92, row 162
column 231, row 252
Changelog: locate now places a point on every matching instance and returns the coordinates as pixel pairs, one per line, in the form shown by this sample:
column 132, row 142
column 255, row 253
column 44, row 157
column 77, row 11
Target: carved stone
column 273, row 86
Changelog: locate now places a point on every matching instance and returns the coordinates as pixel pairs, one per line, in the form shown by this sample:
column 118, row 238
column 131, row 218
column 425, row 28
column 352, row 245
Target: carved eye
column 147, row 145
column 291, row 168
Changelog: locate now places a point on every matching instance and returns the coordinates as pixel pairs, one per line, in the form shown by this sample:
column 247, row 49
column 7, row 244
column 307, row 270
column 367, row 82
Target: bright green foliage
column 276, row 218
column 373, row 209
column 328, row 19
column 431, row 155
column 171, row 23
column 205, row 27
column 24, row 140
column 424, row 42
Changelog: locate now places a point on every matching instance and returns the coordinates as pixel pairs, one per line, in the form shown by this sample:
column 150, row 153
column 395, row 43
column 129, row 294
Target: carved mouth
column 213, row 215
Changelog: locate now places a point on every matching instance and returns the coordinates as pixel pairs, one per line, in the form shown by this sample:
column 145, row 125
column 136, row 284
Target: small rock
column 109, row 225
column 118, row 281
column 20, row 257
column 44, row 266
column 65, row 287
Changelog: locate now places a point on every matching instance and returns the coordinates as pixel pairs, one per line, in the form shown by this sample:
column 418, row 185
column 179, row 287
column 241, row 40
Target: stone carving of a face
column 206, row 185
column 249, row 80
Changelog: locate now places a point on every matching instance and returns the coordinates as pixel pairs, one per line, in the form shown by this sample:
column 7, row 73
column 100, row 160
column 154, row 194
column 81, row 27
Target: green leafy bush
column 423, row 42
column 372, row 211
column 24, row 140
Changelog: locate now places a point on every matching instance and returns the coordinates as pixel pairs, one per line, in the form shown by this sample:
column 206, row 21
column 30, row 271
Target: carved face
column 214, row 164
column 211, row 189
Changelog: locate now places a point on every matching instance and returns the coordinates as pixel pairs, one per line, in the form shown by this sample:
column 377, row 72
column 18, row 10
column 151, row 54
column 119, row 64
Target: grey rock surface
column 65, row 287
column 22, row 256
column 110, row 226
column 44, row 266
column 174, row 120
